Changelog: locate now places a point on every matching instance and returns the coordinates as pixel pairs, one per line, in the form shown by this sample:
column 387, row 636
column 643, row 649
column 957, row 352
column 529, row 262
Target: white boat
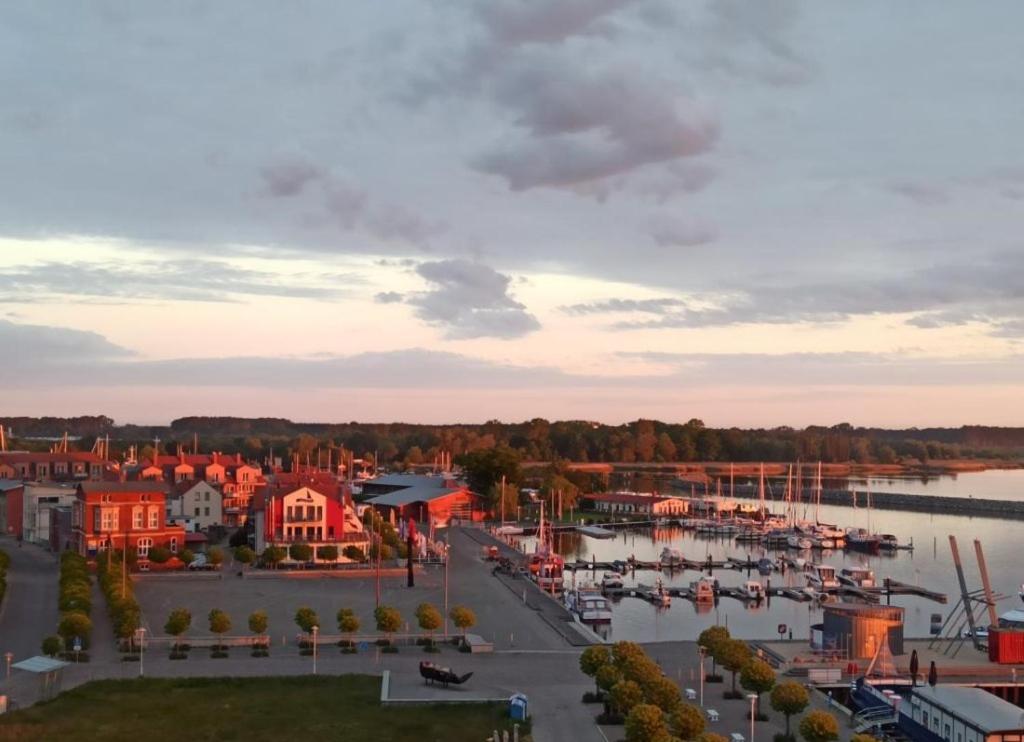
column 508, row 531
column 823, row 577
column 752, row 589
column 795, row 541
column 822, row 543
column 588, row 606
column 703, row 590
column 857, row 576
column 671, row 557
column 611, row 579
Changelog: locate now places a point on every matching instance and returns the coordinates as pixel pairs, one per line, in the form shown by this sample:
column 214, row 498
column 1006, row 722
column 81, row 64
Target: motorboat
column 703, row 590
column 750, row 535
column 612, row 580
column 765, row 566
column 888, row 542
column 823, row 577
column 662, row 595
column 752, row 590
column 859, row 539
column 508, row 531
column 818, row 542
column 549, row 574
column 589, row 606
column 857, row 576
column 795, row 541
column 671, row 557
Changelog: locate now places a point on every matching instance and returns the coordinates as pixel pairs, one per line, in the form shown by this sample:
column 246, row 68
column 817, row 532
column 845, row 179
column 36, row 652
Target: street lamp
column 753, row 700
column 447, row 549
column 316, row 630
column 8, row 656
column 703, row 652
column 140, row 634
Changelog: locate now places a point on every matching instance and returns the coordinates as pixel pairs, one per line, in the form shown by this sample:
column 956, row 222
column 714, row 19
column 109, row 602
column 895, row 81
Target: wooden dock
column 595, row 532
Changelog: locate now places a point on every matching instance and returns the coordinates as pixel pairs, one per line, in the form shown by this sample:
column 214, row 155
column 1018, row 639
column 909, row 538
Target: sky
column 775, row 213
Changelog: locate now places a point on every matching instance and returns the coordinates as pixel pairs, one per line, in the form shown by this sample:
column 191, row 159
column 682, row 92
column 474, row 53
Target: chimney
column 238, row 457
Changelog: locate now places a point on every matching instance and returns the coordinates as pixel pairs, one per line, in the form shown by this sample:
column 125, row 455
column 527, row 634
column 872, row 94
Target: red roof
column 24, row 457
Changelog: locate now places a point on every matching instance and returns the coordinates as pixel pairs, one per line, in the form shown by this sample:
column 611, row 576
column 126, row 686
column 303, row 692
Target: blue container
column 517, row 707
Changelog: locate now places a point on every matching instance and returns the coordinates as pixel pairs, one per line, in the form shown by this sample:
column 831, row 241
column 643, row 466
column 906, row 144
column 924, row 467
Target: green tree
column 388, row 619
column 52, row 646
column 354, row 553
column 220, row 623
column 429, row 618
column 645, row 723
column 178, row 623
column 485, row 467
column 328, row 553
column 789, row 698
column 273, row 555
column 186, row 556
column 819, row 726
column 159, row 555
column 258, row 622
column 758, row 677
column 710, row 638
column 463, row 618
column 687, row 721
column 75, row 624
column 593, row 659
column 215, row 556
column 244, row 555
column 348, row 621
column 625, row 695
column 306, row 619
column 732, row 654
column 301, row 552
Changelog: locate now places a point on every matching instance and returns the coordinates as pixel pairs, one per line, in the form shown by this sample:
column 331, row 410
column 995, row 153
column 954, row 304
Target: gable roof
column 409, row 495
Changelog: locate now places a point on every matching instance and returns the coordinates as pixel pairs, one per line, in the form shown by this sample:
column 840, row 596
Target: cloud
column 926, row 194
column 470, row 300
column 577, row 124
column 649, row 306
column 174, row 280
column 681, row 234
column 516, row 22
column 388, row 297
column 289, row 177
column 66, row 351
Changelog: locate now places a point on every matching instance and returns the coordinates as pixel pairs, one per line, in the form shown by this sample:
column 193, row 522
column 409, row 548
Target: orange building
column 114, row 514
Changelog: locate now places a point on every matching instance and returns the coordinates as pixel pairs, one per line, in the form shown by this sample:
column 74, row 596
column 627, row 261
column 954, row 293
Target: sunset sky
column 756, row 213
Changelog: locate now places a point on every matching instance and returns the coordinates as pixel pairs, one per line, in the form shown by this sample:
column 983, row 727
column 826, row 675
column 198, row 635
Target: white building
column 195, row 502
column 39, row 500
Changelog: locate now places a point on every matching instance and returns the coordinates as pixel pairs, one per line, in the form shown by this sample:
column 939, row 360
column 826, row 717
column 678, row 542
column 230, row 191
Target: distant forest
column 533, row 440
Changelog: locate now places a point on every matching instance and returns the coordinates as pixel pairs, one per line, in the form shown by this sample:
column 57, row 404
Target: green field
column 273, row 708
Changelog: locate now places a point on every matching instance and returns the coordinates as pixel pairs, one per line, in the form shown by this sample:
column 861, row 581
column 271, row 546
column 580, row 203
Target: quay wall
column 970, row 506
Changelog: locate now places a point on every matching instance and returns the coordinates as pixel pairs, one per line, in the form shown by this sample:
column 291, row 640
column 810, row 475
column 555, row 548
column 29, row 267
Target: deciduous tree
column 819, row 726
column 789, row 698
column 645, row 723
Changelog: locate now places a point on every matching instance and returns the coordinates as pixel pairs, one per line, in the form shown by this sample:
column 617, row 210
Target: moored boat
column 612, row 580
column 857, row 576
column 588, row 606
column 703, row 590
column 823, row 577
column 860, row 539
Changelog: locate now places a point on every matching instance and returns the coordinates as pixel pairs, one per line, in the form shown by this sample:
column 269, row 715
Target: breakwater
column 970, row 506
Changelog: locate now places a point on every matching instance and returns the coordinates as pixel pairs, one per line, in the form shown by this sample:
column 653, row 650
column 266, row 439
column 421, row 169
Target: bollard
column 515, row 733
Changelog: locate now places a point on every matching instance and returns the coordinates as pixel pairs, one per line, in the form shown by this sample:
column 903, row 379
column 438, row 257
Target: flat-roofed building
column 955, row 713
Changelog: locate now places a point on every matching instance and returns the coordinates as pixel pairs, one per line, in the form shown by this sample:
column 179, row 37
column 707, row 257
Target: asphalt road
column 29, row 611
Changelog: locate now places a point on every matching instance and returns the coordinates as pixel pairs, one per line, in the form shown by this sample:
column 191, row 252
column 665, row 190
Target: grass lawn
column 272, row 708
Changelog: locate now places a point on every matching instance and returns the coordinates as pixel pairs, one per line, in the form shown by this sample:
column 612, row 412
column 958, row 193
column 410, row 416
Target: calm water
column 929, row 565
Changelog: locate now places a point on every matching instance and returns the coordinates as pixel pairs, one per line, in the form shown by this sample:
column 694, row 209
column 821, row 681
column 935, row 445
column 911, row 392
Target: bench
column 477, row 644
column 712, row 715
column 691, row 694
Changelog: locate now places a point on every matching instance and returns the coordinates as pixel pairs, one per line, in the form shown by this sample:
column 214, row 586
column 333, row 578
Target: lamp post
column 447, row 549
column 316, row 630
column 753, row 700
column 140, row 633
column 8, row 656
column 703, row 652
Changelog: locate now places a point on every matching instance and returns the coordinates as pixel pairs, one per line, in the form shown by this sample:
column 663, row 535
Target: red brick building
column 307, row 509
column 53, row 467
column 113, row 514
column 236, row 479
column 434, row 500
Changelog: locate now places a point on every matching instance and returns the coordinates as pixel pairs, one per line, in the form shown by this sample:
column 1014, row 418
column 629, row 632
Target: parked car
column 981, row 632
column 200, row 563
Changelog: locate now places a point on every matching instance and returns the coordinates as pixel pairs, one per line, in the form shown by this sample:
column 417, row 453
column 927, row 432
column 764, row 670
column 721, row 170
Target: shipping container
column 1006, row 646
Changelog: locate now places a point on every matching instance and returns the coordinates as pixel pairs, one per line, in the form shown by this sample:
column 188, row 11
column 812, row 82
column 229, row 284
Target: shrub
column 306, row 619
column 354, row 553
column 178, row 623
column 385, row 552
column 245, row 555
column 187, row 556
column 463, row 618
column 819, row 726
column 301, row 552
column 75, row 625
column 645, row 723
column 388, row 619
column 258, row 622
column 327, row 553
column 348, row 622
column 215, row 556
column 159, row 555
column 273, row 555
column 52, row 646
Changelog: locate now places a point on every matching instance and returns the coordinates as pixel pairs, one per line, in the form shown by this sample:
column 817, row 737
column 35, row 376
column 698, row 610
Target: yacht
column 823, row 577
column 888, row 542
column 549, row 573
column 860, row 540
column 588, row 606
column 857, row 576
column 664, row 599
column 795, row 541
column 765, row 566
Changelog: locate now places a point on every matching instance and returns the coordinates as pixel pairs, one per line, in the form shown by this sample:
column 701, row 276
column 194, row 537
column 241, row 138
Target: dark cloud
column 35, row 348
column 177, row 280
column 388, row 297
column 928, row 194
column 649, row 306
column 470, row 300
column 681, row 234
column 289, row 177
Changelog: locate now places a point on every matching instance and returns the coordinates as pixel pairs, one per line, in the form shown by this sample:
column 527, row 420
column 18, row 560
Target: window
column 137, row 518
column 154, row 517
column 109, row 519
column 197, row 511
column 174, row 545
column 142, row 547
column 207, row 511
column 206, row 496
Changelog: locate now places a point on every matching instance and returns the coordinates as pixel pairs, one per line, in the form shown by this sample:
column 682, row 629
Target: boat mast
column 760, row 490
column 817, row 501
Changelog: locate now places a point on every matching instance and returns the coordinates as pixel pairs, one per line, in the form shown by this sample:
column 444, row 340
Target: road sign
column 363, row 646
column 77, row 645
column 782, row 629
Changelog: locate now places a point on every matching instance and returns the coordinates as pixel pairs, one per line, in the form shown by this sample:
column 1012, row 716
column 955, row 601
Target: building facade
column 198, row 503
column 635, row 503
column 117, row 514
column 69, row 466
column 305, row 515
column 423, row 498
